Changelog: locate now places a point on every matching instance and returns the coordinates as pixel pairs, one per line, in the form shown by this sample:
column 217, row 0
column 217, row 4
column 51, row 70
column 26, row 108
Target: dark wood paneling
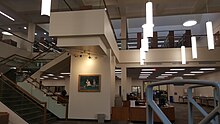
column 120, row 114
column 154, row 43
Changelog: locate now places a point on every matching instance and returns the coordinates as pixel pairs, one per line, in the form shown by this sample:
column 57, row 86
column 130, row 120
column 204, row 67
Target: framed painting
column 89, row 83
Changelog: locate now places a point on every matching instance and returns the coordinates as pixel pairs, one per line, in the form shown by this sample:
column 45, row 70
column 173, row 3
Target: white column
column 123, row 33
column 124, row 82
column 31, row 35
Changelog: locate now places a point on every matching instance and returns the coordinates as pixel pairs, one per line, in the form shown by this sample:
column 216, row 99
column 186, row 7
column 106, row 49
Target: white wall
column 7, row 50
column 13, row 117
column 61, row 82
column 20, row 42
column 129, row 84
column 112, row 72
column 208, row 91
column 86, row 105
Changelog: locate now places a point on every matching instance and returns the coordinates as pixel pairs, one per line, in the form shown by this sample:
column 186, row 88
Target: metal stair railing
column 28, row 96
column 192, row 102
column 53, row 94
column 152, row 106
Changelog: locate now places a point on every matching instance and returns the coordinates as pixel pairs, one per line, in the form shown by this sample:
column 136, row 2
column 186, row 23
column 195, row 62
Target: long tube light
column 144, row 44
column 149, row 13
column 149, row 19
column 9, row 17
column 183, row 54
column 142, row 62
column 194, row 47
column 45, row 7
column 142, row 56
column 210, row 38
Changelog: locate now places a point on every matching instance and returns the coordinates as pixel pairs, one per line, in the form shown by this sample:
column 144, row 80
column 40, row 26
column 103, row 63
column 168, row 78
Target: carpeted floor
column 181, row 117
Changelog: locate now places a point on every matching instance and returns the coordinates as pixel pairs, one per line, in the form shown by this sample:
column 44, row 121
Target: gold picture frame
column 89, row 83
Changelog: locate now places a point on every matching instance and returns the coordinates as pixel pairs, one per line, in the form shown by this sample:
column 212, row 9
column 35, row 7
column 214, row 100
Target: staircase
column 23, row 104
column 24, row 68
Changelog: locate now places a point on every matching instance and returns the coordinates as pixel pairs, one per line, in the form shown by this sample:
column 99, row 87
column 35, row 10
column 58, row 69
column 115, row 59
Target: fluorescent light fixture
column 160, row 41
column 189, row 23
column 177, row 69
column 194, row 47
column 117, row 72
column 210, row 38
column 9, row 29
column 61, row 76
column 9, row 17
column 45, row 7
column 143, row 77
column 166, row 74
column 65, row 73
column 55, row 78
column 148, row 27
column 132, row 46
column 41, row 78
column 144, row 45
column 189, row 74
column 146, row 72
column 132, row 43
column 7, row 33
column 13, row 68
column 207, row 69
column 197, row 72
column 171, row 72
column 50, row 74
column 161, row 77
column 117, row 69
column 183, row 54
column 150, row 69
column 45, row 76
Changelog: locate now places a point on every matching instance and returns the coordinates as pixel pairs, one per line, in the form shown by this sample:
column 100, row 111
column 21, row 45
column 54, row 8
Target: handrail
column 151, row 105
column 191, row 102
column 30, row 97
column 34, row 80
column 58, row 96
column 13, row 56
column 18, row 36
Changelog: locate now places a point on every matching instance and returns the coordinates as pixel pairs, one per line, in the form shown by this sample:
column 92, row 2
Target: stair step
column 11, row 97
column 24, row 109
column 52, row 119
column 30, row 113
column 17, row 101
column 24, row 104
column 21, row 105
